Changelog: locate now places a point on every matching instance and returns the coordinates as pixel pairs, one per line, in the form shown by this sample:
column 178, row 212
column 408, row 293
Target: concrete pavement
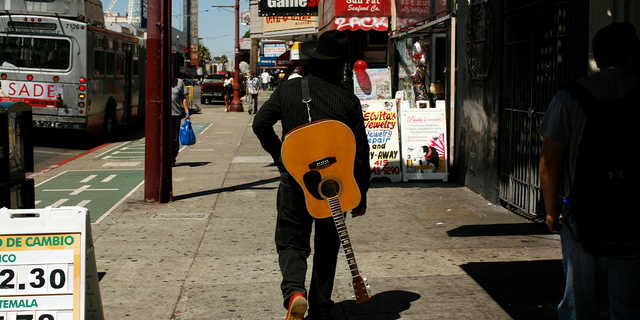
column 430, row 249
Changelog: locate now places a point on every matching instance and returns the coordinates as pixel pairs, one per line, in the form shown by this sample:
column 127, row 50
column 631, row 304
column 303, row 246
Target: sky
column 215, row 26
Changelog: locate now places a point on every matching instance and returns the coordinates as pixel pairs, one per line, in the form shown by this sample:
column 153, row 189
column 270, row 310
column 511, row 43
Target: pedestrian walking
column 329, row 100
column 227, row 90
column 265, row 79
column 253, row 86
column 294, row 74
column 178, row 105
column 567, row 128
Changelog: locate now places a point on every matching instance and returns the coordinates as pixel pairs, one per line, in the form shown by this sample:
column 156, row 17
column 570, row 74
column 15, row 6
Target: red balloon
column 360, row 66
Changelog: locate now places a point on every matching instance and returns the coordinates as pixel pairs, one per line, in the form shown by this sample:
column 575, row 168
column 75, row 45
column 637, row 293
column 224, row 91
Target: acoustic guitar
column 320, row 157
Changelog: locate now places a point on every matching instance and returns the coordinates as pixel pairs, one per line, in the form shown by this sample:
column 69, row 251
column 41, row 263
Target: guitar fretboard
column 343, row 233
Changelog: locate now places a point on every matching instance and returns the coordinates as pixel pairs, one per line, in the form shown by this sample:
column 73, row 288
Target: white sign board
column 424, row 143
column 381, row 125
column 274, row 50
column 44, row 264
column 245, row 43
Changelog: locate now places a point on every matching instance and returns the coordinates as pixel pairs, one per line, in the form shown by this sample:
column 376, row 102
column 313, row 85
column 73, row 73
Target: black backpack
column 607, row 174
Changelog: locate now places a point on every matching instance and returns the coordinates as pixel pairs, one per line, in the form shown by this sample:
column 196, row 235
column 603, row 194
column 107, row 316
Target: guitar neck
column 343, row 233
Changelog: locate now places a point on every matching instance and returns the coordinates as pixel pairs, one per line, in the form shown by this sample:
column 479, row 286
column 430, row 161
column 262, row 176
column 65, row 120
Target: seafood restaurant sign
column 363, row 8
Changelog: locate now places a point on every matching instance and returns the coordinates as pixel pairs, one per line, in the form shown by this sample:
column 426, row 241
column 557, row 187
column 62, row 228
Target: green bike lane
column 119, row 173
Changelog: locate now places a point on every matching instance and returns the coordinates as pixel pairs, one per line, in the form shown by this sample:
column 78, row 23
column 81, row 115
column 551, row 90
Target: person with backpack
column 588, row 150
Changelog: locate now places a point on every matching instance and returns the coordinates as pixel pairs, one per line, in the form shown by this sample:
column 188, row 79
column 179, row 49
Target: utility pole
column 157, row 168
column 236, row 104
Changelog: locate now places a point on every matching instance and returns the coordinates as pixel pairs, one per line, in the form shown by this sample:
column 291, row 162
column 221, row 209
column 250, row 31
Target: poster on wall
column 372, row 84
column 381, row 125
column 424, row 143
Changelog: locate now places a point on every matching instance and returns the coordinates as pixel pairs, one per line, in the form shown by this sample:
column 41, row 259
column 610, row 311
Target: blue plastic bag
column 187, row 136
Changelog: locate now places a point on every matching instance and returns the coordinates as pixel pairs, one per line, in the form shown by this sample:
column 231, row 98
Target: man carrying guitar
column 328, row 99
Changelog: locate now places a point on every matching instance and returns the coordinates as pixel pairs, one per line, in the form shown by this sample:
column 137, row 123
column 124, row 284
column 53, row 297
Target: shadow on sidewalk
column 508, row 229
column 251, row 185
column 526, row 290
column 382, row 306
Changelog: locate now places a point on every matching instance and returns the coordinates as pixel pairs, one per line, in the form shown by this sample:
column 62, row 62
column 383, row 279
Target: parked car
column 213, row 86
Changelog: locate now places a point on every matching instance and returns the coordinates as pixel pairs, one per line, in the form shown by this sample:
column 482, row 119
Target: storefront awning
column 361, row 23
column 284, row 60
column 354, row 15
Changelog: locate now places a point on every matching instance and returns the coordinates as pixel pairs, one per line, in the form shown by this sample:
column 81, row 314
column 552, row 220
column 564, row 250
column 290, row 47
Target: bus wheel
column 203, row 101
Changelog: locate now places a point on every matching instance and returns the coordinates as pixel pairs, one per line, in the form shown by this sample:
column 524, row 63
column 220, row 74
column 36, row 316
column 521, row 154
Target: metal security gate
column 542, row 51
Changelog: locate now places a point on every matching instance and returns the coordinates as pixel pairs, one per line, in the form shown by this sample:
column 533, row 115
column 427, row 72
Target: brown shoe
column 297, row 307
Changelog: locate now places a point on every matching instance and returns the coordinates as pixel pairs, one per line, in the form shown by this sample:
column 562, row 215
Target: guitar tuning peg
column 353, row 297
column 365, row 279
column 367, row 286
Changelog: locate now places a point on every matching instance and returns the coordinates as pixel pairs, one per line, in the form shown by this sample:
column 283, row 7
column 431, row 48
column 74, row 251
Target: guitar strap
column 306, row 97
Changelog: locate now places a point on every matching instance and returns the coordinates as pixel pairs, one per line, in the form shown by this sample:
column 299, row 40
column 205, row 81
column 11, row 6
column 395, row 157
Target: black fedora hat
column 331, row 45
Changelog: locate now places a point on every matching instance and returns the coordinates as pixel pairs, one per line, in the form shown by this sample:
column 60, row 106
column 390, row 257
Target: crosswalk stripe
column 59, row 203
column 83, row 203
column 87, row 179
column 107, row 179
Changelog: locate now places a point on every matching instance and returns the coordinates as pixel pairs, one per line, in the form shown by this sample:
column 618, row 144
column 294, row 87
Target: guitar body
column 320, row 156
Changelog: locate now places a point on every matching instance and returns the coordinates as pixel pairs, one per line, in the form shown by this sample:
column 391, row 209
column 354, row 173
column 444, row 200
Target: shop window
column 377, row 39
column 479, row 39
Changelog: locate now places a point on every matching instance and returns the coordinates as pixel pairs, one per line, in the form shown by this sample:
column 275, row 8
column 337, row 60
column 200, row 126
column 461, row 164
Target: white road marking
column 120, row 164
column 109, row 178
column 87, row 179
column 59, row 202
column 119, row 202
column 83, row 203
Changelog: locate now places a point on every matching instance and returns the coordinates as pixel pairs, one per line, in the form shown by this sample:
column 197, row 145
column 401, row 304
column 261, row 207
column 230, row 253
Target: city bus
column 76, row 72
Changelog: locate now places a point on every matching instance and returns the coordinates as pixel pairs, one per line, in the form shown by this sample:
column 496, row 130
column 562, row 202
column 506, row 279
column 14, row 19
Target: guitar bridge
column 322, row 163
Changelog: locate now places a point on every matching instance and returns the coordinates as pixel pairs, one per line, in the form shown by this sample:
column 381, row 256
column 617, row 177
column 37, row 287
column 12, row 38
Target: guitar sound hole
column 330, row 188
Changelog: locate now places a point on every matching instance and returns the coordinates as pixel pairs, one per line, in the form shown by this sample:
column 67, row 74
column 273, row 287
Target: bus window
column 135, row 66
column 120, row 65
column 33, row 52
column 111, row 65
column 98, row 62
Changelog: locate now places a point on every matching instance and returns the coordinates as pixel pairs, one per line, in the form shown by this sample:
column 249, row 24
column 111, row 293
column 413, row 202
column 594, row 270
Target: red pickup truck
column 213, row 86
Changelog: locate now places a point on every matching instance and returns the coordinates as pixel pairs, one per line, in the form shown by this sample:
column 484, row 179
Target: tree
column 223, row 61
column 245, row 55
column 204, row 54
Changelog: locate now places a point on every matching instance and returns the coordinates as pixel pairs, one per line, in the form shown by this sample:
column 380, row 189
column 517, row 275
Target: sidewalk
column 430, row 250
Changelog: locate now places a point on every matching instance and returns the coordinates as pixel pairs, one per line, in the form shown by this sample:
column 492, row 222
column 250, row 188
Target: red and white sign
column 362, row 8
column 36, row 94
column 409, row 12
column 245, row 43
column 362, row 23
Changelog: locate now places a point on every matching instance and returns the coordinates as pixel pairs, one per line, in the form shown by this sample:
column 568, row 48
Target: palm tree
column 223, row 61
column 204, row 54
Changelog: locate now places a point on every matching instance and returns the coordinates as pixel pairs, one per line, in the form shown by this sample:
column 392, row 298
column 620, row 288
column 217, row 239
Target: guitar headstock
column 360, row 289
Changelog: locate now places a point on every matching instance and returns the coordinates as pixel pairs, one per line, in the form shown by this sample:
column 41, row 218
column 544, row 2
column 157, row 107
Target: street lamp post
column 236, row 104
